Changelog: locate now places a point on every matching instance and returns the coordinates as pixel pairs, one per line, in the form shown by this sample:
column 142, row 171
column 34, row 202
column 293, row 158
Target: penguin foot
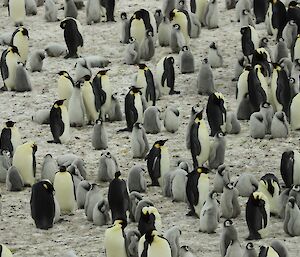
column 53, row 142
column 153, row 184
column 71, row 56
column 174, row 92
column 191, row 213
column 123, row 130
column 4, row 88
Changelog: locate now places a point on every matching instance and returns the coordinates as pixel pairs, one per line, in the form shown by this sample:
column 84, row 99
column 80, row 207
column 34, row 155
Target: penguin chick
column 5, row 163
column 136, row 180
column 14, row 181
column 101, row 213
column 171, row 119
column 132, row 52
column 234, row 249
column 22, row 80
column 147, row 48
column 139, row 141
column 221, row 179
column 49, row 168
column 55, row 49
column 172, row 235
column 152, row 122
column 134, row 199
column 107, row 167
column 279, row 126
column 281, row 50
column 186, row 60
column 267, row 111
column 217, row 151
column 93, row 196
column 99, row 137
column 246, row 184
column 167, row 183
column 229, row 234
column 291, row 224
column 232, row 124
column 132, row 238
column 257, row 125
column 36, row 60
column 81, row 192
column 205, row 79
column 177, row 40
column 185, row 251
column 178, row 186
column 214, row 57
column 249, row 250
column 41, row 117
column 114, row 113
column 230, row 207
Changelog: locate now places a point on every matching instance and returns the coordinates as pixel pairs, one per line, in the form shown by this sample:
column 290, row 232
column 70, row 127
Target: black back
column 146, row 223
column 287, row 168
column 169, row 73
column 247, row 44
column 192, row 192
column 283, row 92
column 110, row 9
column 279, row 17
column 193, row 6
column 153, row 165
column 3, row 65
column 5, row 140
column 260, row 8
column 56, row 124
column 99, row 93
column 150, row 90
column 293, row 13
column 131, row 113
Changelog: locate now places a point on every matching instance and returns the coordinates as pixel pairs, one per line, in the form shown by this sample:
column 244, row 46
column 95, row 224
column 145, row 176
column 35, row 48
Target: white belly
column 201, row 6
column 22, row 43
column 65, row 137
column 65, row 89
column 203, row 189
column 296, row 175
column 139, row 107
column 276, row 105
column 17, row 10
column 89, row 103
column 164, row 163
column 24, row 164
column 11, row 62
column 141, row 82
column 138, row 30
column 297, row 50
column 295, row 115
column 114, row 244
column 205, row 144
column 242, row 86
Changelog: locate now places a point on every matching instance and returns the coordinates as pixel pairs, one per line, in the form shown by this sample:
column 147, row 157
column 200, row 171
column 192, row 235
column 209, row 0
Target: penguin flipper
column 4, row 67
column 150, row 86
column 56, row 124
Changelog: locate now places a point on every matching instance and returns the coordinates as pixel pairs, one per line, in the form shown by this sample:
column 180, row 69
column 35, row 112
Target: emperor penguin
column 166, row 76
column 82, row 69
column 118, row 198
column 134, row 198
column 150, row 219
column 65, row 85
column 136, row 179
column 246, row 184
column 185, row 251
column 294, row 117
column 22, row 81
column 152, row 243
column 50, row 11
column 93, row 196
column 70, row 9
column 108, row 167
column 14, row 181
column 250, row 41
column 93, row 12
column 178, row 187
column 76, row 107
column 115, row 113
column 147, row 47
column 164, row 32
column 197, row 190
column 25, row 162
column 56, row 50
column 114, row 239
column 266, row 109
column 145, row 80
column 239, row 67
column 280, row 248
column 42, row 204
column 289, row 33
column 221, row 179
column 260, row 10
column 217, row 151
column 167, row 7
column 139, row 141
column 266, row 251
column 17, row 11
column 10, row 137
column 49, row 168
column 5, row 164
column 9, row 61
column 257, row 125
column 65, row 191
column 232, row 124
column 72, row 35
column 36, row 60
column 177, row 40
column 290, row 168
column 199, row 139
column 124, row 28
column 216, row 113
column 214, row 56
column 257, row 215
column 182, row 18
column 81, row 192
column 281, row 50
column 229, row 204
column 4, row 251
column 210, row 214
column 249, row 250
column 186, row 60
column 242, row 89
column 279, row 126
column 158, row 17
column 212, row 15
column 194, row 110
column 99, row 136
column 20, row 39
column 172, row 235
column 101, row 213
column 158, row 162
column 132, row 238
column 291, row 224
column 59, row 123
column 132, row 53
column 229, row 234
column 152, row 122
column 205, row 79
column 171, row 119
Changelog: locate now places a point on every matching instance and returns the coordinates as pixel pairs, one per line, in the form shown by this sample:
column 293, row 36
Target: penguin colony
column 85, row 97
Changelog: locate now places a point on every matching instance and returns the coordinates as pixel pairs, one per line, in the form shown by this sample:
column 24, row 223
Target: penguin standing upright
column 72, row 35
column 132, row 53
column 176, row 40
column 145, row 81
column 139, row 142
column 65, row 86
column 93, row 12
column 76, row 108
column 158, row 17
column 183, row 20
column 186, row 63
column 147, row 48
column 20, row 39
column 118, row 198
column 10, row 138
column 59, row 123
column 99, row 137
column 294, row 117
column 205, row 79
column 260, row 9
column 17, row 11
column 214, row 57
column 290, row 168
column 197, row 190
column 164, row 32
column 229, row 234
column 216, row 113
column 250, row 41
column 25, row 162
column 124, row 28
column 217, row 151
column 158, row 162
column 199, row 140
column 103, row 92
column 212, row 15
column 9, row 61
column 65, row 192
column 110, row 10
column 291, row 224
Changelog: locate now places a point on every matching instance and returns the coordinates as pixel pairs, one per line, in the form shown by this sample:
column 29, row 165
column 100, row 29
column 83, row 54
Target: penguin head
column 258, row 198
column 120, row 223
column 78, row 84
column 99, row 121
column 250, row 246
column 62, row 169
column 59, row 103
column 276, row 66
column 33, row 146
column 86, row 77
column 213, row 46
column 14, row 50
column 292, row 80
column 198, row 117
column 181, row 2
column 280, row 116
column 171, row 60
column 142, row 66
column 213, row 195
column 292, row 202
column 149, row 33
column 221, row 170
column 137, row 125
column 92, row 186
column 135, row 90
column 114, row 96
column 228, row 223
column 185, row 49
column 220, row 134
column 47, row 185
column 292, row 23
column 117, row 174
column 63, row 73
column 245, row 12
column 185, row 248
column 264, row 42
column 103, row 72
column 293, row 4
column 205, row 61
column 265, row 105
column 24, row 32
column 160, row 143
column 296, row 188
column 172, row 14
column 243, row 30
column 10, row 124
column 138, row 15
column 229, row 186
column 158, row 12
column 202, row 170
column 132, row 40
column 176, row 26
column 248, row 67
column 123, row 16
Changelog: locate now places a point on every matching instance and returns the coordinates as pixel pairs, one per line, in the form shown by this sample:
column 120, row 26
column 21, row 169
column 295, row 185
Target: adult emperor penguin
column 4, row 251
column 10, row 137
column 114, row 239
column 250, row 41
column 158, row 162
column 9, row 61
column 65, row 191
column 166, row 76
column 294, row 117
column 118, row 198
column 197, row 190
column 153, row 244
column 139, row 142
column 186, row 60
column 59, row 123
column 73, row 36
column 17, row 11
column 199, row 139
column 133, row 108
column 42, row 204
column 182, row 18
column 150, row 219
column 260, row 10
column 20, row 39
column 25, row 162
column 103, row 92
column 290, row 168
column 216, row 113
column 257, row 215
column 229, row 234
column 291, row 224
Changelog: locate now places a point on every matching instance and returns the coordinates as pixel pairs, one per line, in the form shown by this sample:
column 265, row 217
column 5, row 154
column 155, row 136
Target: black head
column 213, row 45
column 199, row 115
column 135, row 90
column 245, row 12
column 293, row 4
column 62, row 169
column 149, row 33
column 176, row 26
column 103, row 72
column 228, row 223
column 24, row 32
column 10, row 124
column 160, row 143
column 63, row 73
column 181, row 2
column 123, row 16
column 244, row 30
column 266, row 105
column 137, row 125
column 292, row 202
column 158, row 12
column 138, row 15
column 131, row 39
column 117, row 174
column 59, row 103
column 47, row 185
column 220, row 134
column 14, row 49
column 78, row 83
column 185, row 48
column 87, row 77
column 142, row 66
column 249, row 246
column 172, row 15
column 205, row 61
